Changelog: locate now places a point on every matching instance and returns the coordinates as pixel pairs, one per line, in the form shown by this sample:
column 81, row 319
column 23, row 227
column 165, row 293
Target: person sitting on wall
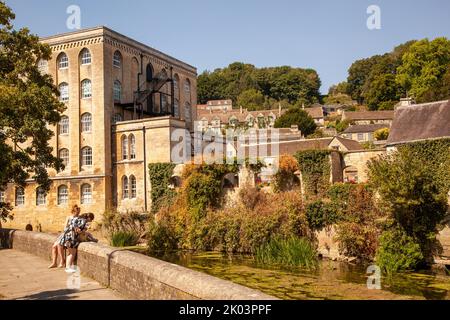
column 78, row 232
column 58, row 246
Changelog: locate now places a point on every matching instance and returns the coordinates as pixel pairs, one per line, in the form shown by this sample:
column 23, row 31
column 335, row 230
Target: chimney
column 405, row 102
column 240, row 109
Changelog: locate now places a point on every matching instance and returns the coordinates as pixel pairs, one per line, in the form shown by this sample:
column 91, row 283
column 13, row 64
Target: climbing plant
column 160, row 174
column 315, row 168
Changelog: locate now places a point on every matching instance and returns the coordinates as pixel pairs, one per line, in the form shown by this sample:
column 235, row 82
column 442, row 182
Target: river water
column 331, row 281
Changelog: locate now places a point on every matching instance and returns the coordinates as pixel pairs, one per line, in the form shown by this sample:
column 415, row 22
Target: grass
column 289, row 252
column 124, row 239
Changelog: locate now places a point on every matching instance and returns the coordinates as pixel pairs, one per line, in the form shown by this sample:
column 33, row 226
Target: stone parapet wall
column 134, row 275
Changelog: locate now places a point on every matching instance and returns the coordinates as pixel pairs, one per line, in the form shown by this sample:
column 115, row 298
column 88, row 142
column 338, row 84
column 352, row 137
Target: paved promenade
column 26, row 277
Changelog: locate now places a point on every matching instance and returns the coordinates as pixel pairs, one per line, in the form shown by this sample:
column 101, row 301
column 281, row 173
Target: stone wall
column 135, row 275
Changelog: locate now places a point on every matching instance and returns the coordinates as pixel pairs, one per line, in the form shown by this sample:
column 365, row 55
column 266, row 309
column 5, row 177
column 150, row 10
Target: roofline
column 136, row 43
column 422, row 104
column 417, row 140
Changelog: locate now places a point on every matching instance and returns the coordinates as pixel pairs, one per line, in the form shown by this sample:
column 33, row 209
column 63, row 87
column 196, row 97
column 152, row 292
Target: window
column 360, row 136
column 86, row 57
column 63, row 61
column 86, row 194
column 187, row 112
column 117, row 59
column 132, row 147
column 64, row 125
column 86, row 89
column 176, row 108
column 163, row 103
column 86, row 122
column 64, row 156
column 2, row 197
column 63, row 195
column 41, row 197
column 117, row 118
column 125, row 190
column 86, row 156
column 43, row 66
column 117, row 90
column 124, row 147
column 187, row 88
column 20, row 196
column 64, row 92
column 133, row 187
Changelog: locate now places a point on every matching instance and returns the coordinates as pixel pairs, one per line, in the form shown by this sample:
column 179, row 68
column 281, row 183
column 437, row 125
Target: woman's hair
column 88, row 216
column 75, row 209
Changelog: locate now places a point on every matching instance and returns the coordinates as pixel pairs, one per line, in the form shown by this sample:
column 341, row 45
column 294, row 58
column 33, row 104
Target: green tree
column 381, row 134
column 251, row 99
column 423, row 67
column 28, row 105
column 299, row 117
column 383, row 89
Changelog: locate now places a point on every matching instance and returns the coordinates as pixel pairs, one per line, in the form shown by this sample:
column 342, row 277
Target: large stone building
column 123, row 101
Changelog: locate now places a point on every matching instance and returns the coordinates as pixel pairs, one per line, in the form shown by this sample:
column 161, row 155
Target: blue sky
column 326, row 35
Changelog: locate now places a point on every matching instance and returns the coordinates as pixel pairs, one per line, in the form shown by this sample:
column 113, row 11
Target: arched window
column 85, row 56
column 41, row 197
column 64, row 125
column 64, row 156
column 187, row 112
column 149, row 72
column 117, row 59
column 187, row 89
column 86, row 156
column 64, row 92
column 132, row 147
column 20, row 196
column 176, row 85
column 86, row 89
column 43, row 66
column 133, row 187
column 125, row 188
column 117, row 90
column 63, row 61
column 86, row 122
column 117, row 118
column 86, row 194
column 63, row 195
column 124, row 147
column 176, row 108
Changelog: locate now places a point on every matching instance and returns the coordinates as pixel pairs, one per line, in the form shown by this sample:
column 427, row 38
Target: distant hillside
column 262, row 88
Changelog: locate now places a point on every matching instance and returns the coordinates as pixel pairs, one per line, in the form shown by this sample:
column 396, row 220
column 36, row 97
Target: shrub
column 114, row 222
column 321, row 214
column 124, row 239
column 381, row 134
column 292, row 251
column 398, row 252
column 315, row 167
column 161, row 236
column 285, row 178
column 160, row 174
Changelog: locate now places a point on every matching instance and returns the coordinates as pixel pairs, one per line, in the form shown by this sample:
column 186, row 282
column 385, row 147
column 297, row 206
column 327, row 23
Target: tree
column 251, row 99
column 383, row 89
column 28, row 104
column 381, row 134
column 423, row 67
column 299, row 117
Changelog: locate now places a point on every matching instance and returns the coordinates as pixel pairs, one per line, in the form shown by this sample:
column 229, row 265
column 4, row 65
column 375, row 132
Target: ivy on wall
column 160, row 174
column 315, row 167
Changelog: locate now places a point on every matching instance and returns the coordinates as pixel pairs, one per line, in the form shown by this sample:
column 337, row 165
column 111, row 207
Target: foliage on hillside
column 263, row 88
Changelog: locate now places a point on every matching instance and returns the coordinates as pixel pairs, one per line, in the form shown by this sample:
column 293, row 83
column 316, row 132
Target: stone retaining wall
column 134, row 275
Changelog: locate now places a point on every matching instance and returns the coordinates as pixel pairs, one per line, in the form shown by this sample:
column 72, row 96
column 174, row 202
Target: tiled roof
column 362, row 128
column 420, row 122
column 351, row 145
column 368, row 115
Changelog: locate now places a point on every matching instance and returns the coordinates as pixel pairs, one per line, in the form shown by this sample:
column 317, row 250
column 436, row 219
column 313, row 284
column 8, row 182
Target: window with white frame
column 86, row 156
column 63, row 195
column 64, row 125
column 125, row 188
column 132, row 141
column 86, row 122
column 64, row 156
column 86, row 57
column 133, row 187
column 117, row 59
column 64, row 92
column 20, row 197
column 86, row 194
column 360, row 136
column 63, row 61
column 124, row 147
column 117, row 91
column 86, row 89
column 41, row 197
